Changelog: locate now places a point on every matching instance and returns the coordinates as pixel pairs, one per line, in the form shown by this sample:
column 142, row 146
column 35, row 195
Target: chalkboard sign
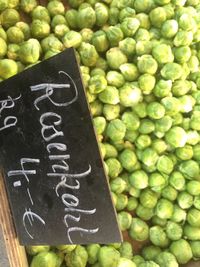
column 52, row 166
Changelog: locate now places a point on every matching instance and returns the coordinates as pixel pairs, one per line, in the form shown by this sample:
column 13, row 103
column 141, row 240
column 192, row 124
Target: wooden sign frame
column 16, row 254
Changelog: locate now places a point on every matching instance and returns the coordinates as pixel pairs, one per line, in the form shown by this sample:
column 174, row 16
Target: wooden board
column 16, row 254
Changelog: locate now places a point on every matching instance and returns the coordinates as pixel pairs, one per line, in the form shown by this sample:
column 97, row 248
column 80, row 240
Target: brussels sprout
column 58, row 20
column 169, row 28
column 88, row 54
column 140, row 110
column 124, row 219
column 77, row 258
column 75, row 3
column 174, row 231
column 132, row 203
column 126, row 250
column 171, row 71
column 164, row 209
column 97, row 84
column 185, row 200
column 193, row 217
column 149, row 157
column 111, row 112
column 44, row 258
column 158, row 237
column 114, row 167
column 139, row 179
column 182, row 54
column 128, row 159
column 177, row 248
column 165, row 164
column 162, row 53
column 129, row 26
column 115, row 58
column 99, row 124
column 29, row 51
column 109, row 95
column 114, row 78
column 155, row 110
column 148, row 198
column 146, row 83
column 55, row 7
column 100, row 41
column 9, row 17
column 41, row 13
column 147, row 64
column 113, row 15
column 3, row 5
column 146, row 126
column 150, row 252
column 129, row 95
column 143, row 5
column 40, row 29
column 118, row 185
column 162, row 88
column 190, row 169
column 126, row 12
column 144, row 213
column 87, row 35
column 194, row 122
column 3, row 47
column 28, row 5
column 86, row 17
column 169, row 193
column 195, row 245
column 131, row 120
column 108, row 256
column 129, row 72
column 137, row 259
column 176, row 137
column 116, row 130
column 33, row 250
column 166, row 259
column 157, row 16
column 158, row 221
column 143, row 141
column 127, row 46
column 183, row 38
column 193, row 188
column 51, row 43
column 66, row 248
column 72, row 39
column 125, row 262
column 71, row 18
column 102, row 14
column 12, row 51
column 92, row 251
column 139, row 230
column 8, row 68
column 114, row 35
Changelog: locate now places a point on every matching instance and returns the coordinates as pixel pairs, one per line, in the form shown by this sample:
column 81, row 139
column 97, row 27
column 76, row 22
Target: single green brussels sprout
column 157, row 16
column 190, row 169
column 77, row 258
column 72, row 39
column 146, row 83
column 55, row 8
column 191, row 233
column 148, row 198
column 164, row 208
column 113, row 16
column 140, row 109
column 181, row 87
column 108, row 256
column 132, row 203
column 162, row 88
column 51, row 43
column 92, row 251
column 147, row 64
column 184, row 153
column 71, row 18
column 24, row 27
column 193, row 217
column 110, row 95
column 28, row 5
column 158, row 236
column 111, row 112
column 171, row 71
column 164, row 124
column 3, row 48
column 166, row 259
column 182, row 54
column 57, row 20
column 40, row 29
column 155, row 110
column 194, row 122
column 126, row 250
column 131, row 120
column 12, row 51
column 146, row 126
column 118, row 185
column 169, row 193
column 169, row 28
column 129, row 95
column 143, row 48
column 45, row 258
column 102, row 14
column 126, row 12
column 129, row 72
column 193, row 188
column 165, row 164
column 172, row 105
column 144, row 213
column 124, row 219
column 125, row 262
column 179, row 215
column 87, row 35
column 137, row 259
column 184, row 200
column 99, row 124
column 176, row 137
column 150, row 252
column 159, row 145
column 33, row 250
column 139, row 179
column 162, row 53
column 129, row 26
column 100, row 41
column 116, row 130
column 174, row 231
column 50, row 53
column 29, row 51
column 142, row 35
column 177, row 248
column 9, row 17
column 196, row 152
column 143, row 5
column 8, row 68
column 3, row 5
column 86, row 17
column 115, row 58
column 128, row 159
column 187, row 103
column 97, row 71
column 13, row 4
column 115, row 78
column 88, row 54
column 41, row 13
column 149, row 157
column 97, row 84
column 3, row 34
column 114, row 167
column 66, row 248
column 192, row 63
column 158, row 221
column 114, row 35
column 143, row 141
column 183, row 38
column 139, row 230
column 127, row 46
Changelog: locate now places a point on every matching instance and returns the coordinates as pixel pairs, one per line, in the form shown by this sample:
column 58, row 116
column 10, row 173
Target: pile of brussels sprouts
column 140, row 66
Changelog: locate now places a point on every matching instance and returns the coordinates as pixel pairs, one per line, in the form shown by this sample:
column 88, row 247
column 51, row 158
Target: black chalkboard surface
column 53, row 170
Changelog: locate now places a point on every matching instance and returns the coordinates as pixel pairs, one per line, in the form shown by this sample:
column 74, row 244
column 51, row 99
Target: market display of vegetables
column 139, row 61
